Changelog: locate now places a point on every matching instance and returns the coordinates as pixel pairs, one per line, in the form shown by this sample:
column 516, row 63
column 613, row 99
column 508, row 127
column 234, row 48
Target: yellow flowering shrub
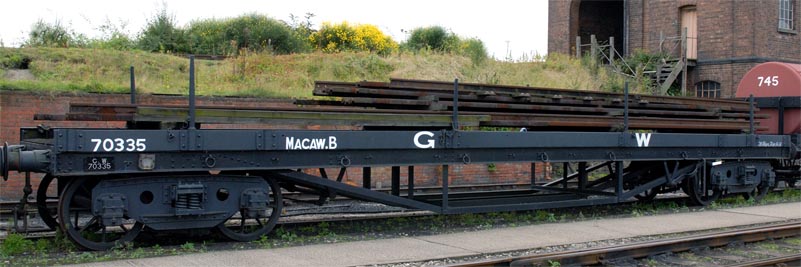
column 332, row 38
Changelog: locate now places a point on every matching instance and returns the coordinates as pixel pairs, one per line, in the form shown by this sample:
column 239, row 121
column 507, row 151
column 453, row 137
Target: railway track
column 596, row 256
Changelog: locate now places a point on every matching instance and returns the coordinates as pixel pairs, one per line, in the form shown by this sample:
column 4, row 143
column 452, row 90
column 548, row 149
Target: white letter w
column 643, row 139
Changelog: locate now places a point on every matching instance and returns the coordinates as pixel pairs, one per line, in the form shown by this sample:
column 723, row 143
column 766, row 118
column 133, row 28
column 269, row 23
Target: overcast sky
column 519, row 26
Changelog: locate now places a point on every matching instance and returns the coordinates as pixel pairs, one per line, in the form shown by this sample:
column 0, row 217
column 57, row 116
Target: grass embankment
column 283, row 76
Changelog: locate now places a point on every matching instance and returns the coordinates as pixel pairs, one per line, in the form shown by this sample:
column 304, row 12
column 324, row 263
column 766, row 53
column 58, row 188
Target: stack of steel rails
column 417, row 103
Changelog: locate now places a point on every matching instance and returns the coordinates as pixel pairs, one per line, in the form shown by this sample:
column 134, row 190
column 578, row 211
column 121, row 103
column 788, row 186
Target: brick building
column 725, row 38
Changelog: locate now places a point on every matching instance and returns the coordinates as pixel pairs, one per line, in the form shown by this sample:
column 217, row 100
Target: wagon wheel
column 700, row 193
column 49, row 217
column 84, row 228
column 245, row 228
column 758, row 193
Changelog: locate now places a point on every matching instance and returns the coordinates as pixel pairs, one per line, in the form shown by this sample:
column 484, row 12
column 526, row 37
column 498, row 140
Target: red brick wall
column 18, row 108
column 739, row 30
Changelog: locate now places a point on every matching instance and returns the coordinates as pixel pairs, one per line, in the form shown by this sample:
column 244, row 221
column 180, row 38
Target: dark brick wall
column 733, row 36
column 17, row 110
column 559, row 39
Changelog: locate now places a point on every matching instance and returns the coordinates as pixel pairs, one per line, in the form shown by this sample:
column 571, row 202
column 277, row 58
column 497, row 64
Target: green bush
column 436, row 38
column 54, row 34
column 474, row 49
column 161, row 34
column 253, row 32
column 432, row 38
column 113, row 37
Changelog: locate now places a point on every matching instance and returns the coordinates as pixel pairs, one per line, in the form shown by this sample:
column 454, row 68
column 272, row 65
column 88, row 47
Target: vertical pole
column 444, row 188
column 366, row 173
column 593, row 46
column 684, row 60
column 626, row 107
column 564, row 174
column 133, row 87
column 619, row 185
column 395, row 180
column 611, row 49
column 411, row 182
column 192, row 92
column 751, row 114
column 455, row 120
column 533, row 174
column 578, row 46
column 582, row 175
column 781, row 114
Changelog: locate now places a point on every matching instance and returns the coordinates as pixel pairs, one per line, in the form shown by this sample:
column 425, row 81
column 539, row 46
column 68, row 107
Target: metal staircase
column 670, row 66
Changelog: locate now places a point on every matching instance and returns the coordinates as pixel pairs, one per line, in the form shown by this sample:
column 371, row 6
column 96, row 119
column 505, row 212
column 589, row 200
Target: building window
column 709, row 89
column 786, row 15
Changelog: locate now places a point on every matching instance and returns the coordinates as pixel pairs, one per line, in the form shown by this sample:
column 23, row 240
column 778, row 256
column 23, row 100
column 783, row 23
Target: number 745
column 768, row 80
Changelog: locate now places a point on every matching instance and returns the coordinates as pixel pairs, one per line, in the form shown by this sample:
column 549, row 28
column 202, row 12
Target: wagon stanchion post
column 410, row 186
column 626, row 108
column 191, row 91
column 455, row 123
column 133, row 86
column 751, row 114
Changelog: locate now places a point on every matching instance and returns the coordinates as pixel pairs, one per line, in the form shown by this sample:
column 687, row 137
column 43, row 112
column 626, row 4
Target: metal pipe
column 192, row 92
column 455, row 122
column 410, row 187
column 133, row 86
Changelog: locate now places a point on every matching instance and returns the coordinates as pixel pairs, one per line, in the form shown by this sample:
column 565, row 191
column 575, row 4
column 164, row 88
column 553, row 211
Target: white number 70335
column 119, row 144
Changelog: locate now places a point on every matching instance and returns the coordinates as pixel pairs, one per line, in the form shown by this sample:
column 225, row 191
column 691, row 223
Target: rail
column 593, row 256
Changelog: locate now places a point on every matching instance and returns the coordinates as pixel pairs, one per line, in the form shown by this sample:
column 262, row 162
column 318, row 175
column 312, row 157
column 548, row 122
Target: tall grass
column 284, row 76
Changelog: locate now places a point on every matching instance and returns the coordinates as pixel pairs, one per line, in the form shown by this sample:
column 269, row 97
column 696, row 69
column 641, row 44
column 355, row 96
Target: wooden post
column 593, row 46
column 578, row 46
column 611, row 49
column 684, row 59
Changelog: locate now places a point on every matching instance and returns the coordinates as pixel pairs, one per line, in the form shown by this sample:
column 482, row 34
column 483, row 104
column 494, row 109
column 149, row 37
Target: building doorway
column 603, row 19
column 689, row 20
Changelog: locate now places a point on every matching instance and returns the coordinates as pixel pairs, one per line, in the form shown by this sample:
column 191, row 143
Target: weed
column 651, row 262
column 264, row 242
column 188, row 246
column 553, row 263
column 137, row 253
column 793, row 241
column 15, row 244
column 42, row 246
column 286, row 235
column 323, row 229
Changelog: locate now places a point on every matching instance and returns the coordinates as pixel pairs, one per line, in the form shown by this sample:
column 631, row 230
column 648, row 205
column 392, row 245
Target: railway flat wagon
column 113, row 183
